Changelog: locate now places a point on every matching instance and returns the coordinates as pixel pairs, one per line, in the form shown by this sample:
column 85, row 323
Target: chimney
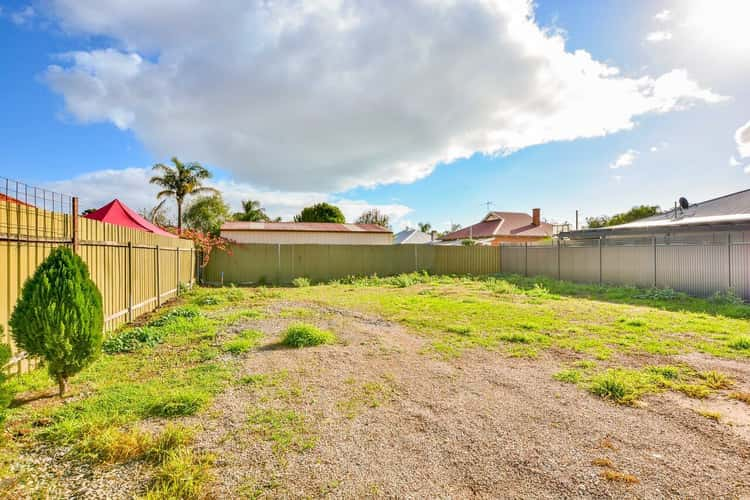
column 537, row 216
column 432, row 235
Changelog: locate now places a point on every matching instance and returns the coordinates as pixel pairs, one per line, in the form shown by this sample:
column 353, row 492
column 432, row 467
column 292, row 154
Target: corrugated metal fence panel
column 696, row 269
column 628, row 265
column 579, row 264
column 542, row 260
column 513, row 259
column 741, row 269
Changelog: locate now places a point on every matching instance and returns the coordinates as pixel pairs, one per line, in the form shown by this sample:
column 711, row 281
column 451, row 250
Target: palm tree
column 251, row 212
column 180, row 181
column 425, row 227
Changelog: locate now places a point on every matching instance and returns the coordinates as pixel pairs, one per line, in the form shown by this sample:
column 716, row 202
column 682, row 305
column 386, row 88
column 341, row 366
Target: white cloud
column 625, row 159
column 742, row 138
column 658, row 36
column 663, row 16
column 23, row 16
column 734, row 162
column 747, row 169
column 658, row 147
column 332, row 94
column 131, row 186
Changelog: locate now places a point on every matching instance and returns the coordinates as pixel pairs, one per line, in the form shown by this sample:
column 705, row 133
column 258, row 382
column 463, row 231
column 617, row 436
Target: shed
column 320, row 233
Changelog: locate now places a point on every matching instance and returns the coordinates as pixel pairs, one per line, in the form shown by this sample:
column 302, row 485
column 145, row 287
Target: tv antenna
column 489, row 204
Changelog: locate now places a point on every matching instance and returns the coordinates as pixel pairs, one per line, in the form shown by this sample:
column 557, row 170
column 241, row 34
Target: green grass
column 629, row 385
column 303, row 335
column 183, row 473
column 287, row 430
column 244, row 342
column 503, row 312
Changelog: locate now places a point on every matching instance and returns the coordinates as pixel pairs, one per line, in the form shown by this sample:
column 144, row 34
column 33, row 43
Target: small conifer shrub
column 59, row 317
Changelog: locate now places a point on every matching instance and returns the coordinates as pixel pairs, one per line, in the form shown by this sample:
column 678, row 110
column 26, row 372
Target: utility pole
column 576, row 219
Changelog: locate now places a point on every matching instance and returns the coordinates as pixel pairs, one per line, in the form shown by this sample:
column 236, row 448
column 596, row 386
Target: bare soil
column 479, row 426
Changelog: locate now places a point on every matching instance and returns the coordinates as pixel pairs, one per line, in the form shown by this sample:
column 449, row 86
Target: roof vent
column 684, row 203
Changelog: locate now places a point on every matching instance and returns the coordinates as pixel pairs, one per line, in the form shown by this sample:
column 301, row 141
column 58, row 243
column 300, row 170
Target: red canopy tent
column 116, row 212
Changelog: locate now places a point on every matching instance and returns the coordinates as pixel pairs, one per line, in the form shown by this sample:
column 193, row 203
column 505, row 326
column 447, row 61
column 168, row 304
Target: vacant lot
column 418, row 387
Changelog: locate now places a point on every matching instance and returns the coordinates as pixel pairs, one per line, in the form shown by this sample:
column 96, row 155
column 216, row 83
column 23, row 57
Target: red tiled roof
column 502, row 224
column 320, row 227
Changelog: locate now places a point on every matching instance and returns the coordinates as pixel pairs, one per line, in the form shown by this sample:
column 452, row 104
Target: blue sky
column 91, row 97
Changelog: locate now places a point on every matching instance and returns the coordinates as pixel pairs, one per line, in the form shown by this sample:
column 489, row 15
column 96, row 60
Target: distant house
column 502, row 227
column 320, row 233
column 412, row 237
column 712, row 220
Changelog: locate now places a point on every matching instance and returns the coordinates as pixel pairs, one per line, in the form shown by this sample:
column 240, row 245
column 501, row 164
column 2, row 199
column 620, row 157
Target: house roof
column 10, row 199
column 116, row 212
column 724, row 211
column 315, row 227
column 411, row 237
column 502, row 224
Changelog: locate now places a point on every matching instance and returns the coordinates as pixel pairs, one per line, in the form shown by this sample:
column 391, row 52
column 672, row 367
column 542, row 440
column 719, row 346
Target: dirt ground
column 479, row 426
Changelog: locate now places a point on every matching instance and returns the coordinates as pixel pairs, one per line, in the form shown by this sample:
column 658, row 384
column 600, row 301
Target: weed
column 740, row 343
column 301, row 282
column 183, row 474
column 302, row 335
column 133, row 339
column 285, row 429
column 570, row 376
column 459, row 329
column 173, row 315
column 741, row 396
column 727, row 297
column 247, row 340
column 602, row 462
column 715, row 380
column 709, row 414
column 660, row 294
column 613, row 385
column 209, row 300
column 366, row 395
column 696, row 391
column 520, row 338
column 171, row 438
column 617, row 476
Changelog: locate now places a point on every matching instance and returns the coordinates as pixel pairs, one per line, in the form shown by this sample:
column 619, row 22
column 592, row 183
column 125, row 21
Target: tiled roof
column 502, row 224
column 321, row 227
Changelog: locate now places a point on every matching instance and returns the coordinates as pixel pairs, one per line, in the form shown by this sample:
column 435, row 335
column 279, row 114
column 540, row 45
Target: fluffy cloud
column 131, row 186
column 326, row 95
column 22, row 16
column 625, row 159
column 742, row 138
column 663, row 16
column 658, row 36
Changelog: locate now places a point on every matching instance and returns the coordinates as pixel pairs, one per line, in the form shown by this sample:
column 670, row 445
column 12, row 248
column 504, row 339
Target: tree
column 59, row 316
column 6, row 395
column 182, row 180
column 88, row 211
column 321, row 212
column 251, row 212
column 157, row 215
column 631, row 215
column 374, row 216
column 206, row 214
column 425, row 227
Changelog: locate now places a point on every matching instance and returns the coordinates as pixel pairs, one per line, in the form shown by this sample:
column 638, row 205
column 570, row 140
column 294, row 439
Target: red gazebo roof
column 116, row 212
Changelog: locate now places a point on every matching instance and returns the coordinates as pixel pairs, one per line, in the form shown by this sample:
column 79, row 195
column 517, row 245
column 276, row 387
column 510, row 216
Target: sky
column 424, row 109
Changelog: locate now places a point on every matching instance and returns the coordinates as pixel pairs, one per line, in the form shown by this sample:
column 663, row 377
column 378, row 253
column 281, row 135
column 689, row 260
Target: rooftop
column 319, row 227
column 502, row 224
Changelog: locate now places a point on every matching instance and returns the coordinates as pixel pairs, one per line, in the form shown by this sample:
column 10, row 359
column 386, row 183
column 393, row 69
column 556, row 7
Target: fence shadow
column 659, row 298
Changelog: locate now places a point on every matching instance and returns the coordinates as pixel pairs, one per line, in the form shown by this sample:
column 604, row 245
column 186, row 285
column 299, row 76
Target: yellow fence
column 134, row 270
column 280, row 264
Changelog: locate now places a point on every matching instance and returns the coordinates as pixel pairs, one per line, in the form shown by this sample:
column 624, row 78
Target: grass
column 303, row 335
column 244, row 342
column 364, row 395
column 620, row 477
column 709, row 414
column 629, row 385
column 287, row 429
column 183, row 473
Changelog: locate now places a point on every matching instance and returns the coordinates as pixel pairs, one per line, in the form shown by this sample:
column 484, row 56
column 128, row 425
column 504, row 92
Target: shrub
column 302, row 335
column 727, row 297
column 301, row 282
column 175, row 314
column 59, row 316
column 132, row 340
column 740, row 343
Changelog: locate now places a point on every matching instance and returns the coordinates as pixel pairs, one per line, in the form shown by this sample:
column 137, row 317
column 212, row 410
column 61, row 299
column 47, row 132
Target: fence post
column 130, row 281
column 177, row 292
column 74, row 215
column 600, row 260
column 526, row 258
column 653, row 244
column 500, row 258
column 157, row 277
column 278, row 263
column 559, row 274
column 416, row 259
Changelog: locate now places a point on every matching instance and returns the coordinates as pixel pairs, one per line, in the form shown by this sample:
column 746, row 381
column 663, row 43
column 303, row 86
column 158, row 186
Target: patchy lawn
column 410, row 386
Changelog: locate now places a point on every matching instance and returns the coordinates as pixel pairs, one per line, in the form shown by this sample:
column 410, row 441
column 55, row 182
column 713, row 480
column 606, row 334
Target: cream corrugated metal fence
column 134, row 270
